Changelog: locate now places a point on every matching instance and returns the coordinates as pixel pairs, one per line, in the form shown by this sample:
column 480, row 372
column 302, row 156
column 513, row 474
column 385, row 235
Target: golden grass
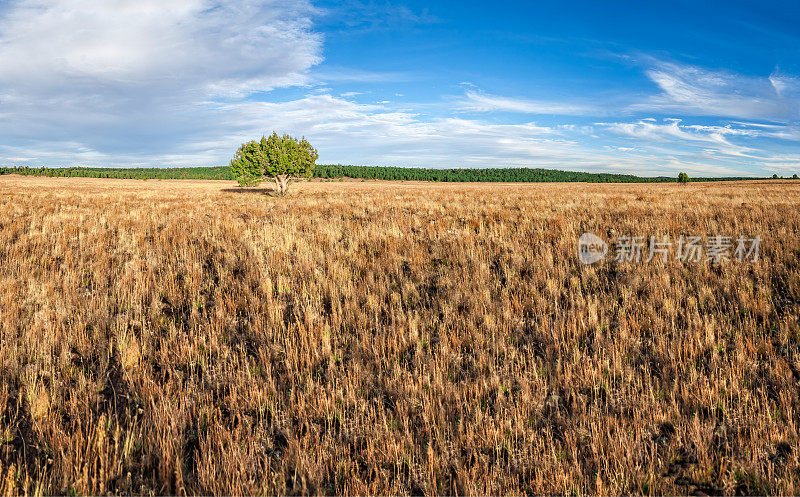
column 375, row 338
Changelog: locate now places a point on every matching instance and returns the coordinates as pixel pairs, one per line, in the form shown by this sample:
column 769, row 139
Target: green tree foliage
column 683, row 178
column 247, row 165
column 794, row 176
column 281, row 158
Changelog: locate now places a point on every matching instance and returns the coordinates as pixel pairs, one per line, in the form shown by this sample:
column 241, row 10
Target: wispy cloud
column 383, row 135
column 713, row 138
column 333, row 74
column 358, row 16
column 482, row 102
column 692, row 90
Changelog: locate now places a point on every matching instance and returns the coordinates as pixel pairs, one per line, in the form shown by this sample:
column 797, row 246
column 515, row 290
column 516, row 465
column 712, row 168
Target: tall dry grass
column 365, row 338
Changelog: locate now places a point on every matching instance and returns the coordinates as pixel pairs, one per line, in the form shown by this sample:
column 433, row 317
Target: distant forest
column 509, row 175
column 221, row 172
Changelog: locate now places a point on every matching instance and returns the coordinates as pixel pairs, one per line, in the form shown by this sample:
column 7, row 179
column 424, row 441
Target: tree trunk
column 282, row 182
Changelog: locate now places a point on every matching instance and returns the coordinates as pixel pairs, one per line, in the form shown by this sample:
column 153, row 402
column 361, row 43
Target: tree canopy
column 282, row 158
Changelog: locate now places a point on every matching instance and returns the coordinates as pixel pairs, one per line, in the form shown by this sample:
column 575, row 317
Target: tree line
column 220, row 172
column 334, row 171
column 497, row 175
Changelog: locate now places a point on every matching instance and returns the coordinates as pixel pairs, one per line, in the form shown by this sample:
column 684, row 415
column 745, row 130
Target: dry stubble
column 374, row 338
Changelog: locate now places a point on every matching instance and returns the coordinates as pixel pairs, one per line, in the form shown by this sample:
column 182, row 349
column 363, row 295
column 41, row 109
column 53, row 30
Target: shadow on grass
column 272, row 192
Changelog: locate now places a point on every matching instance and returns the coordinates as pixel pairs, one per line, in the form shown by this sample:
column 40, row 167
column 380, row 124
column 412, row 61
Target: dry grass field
column 393, row 338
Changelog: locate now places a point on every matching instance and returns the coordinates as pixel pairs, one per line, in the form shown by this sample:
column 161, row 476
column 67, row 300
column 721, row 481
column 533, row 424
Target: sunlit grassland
column 376, row 337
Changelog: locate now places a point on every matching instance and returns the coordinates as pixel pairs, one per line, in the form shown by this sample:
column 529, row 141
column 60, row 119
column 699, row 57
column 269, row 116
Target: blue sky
column 710, row 89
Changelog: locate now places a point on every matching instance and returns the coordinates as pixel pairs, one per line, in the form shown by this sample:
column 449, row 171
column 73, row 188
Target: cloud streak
column 692, row 90
column 482, row 102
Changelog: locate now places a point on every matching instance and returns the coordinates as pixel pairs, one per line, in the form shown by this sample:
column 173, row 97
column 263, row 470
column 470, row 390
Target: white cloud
column 138, row 75
column 783, row 165
column 348, row 132
column 377, row 135
column 714, row 138
column 481, row 102
column 199, row 45
column 692, row 90
column 336, row 74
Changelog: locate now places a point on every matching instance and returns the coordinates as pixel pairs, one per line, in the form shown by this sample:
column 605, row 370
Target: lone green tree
column 280, row 158
column 683, row 178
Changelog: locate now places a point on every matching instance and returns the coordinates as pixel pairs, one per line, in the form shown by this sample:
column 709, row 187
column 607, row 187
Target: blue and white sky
column 650, row 88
